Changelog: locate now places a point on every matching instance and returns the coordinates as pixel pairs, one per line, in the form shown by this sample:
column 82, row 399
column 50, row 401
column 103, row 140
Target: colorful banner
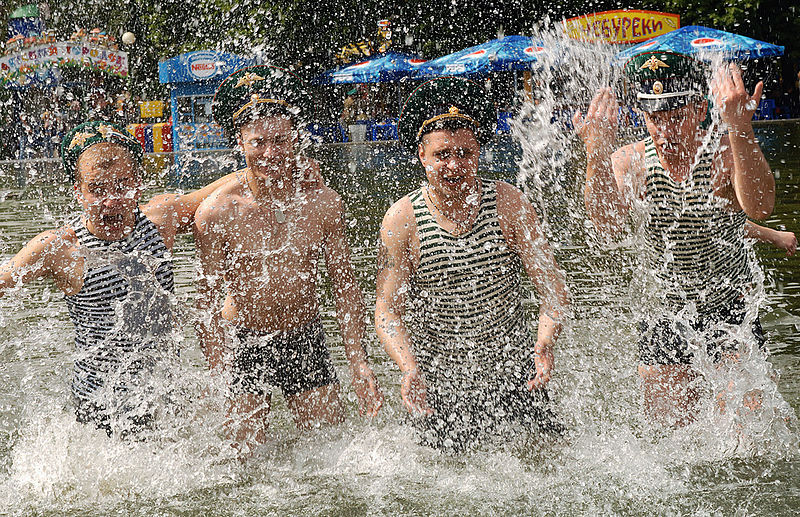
column 621, row 26
column 23, row 69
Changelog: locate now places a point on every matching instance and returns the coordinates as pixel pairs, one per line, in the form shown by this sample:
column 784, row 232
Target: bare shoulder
column 221, row 204
column 55, row 239
column 55, row 247
column 399, row 219
column 323, row 195
column 508, row 195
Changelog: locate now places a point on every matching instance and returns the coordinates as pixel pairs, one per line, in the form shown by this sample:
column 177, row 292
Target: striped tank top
column 469, row 328
column 122, row 311
column 694, row 244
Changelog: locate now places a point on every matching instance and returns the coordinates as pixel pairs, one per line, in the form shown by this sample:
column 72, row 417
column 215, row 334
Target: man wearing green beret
column 112, row 263
column 449, row 302
column 695, row 188
column 260, row 242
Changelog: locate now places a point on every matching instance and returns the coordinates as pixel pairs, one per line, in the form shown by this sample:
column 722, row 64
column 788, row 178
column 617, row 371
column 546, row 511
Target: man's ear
column 421, row 153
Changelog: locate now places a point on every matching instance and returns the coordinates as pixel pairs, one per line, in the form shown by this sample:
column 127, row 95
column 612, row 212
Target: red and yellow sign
column 621, row 26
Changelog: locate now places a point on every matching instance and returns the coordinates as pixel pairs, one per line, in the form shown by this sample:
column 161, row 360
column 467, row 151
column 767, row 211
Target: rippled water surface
column 611, row 461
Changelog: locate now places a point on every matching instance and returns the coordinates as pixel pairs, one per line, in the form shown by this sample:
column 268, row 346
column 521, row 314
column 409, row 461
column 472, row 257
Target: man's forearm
column 601, row 196
column 752, row 177
column 548, row 330
column 352, row 329
column 396, row 341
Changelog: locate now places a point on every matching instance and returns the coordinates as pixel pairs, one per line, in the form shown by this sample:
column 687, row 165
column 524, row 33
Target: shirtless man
column 261, row 240
column 112, row 264
column 697, row 190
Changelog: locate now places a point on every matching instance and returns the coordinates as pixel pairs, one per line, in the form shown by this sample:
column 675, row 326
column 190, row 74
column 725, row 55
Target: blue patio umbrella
column 508, row 53
column 704, row 41
column 381, row 68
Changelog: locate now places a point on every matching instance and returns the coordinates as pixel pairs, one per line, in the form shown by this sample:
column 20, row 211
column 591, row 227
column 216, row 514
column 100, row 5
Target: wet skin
column 265, row 235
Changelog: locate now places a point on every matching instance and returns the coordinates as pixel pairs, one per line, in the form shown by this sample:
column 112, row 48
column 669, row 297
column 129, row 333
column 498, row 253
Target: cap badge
column 658, row 88
column 80, row 138
column 248, row 79
column 106, row 131
column 653, row 64
column 454, row 111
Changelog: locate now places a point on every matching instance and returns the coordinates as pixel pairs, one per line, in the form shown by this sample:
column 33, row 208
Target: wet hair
column 447, row 124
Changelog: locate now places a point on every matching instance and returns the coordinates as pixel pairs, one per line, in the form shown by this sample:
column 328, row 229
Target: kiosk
column 193, row 78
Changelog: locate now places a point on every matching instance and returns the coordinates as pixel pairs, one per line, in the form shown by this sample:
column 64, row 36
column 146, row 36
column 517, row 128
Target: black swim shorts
column 462, row 420
column 664, row 341
column 294, row 361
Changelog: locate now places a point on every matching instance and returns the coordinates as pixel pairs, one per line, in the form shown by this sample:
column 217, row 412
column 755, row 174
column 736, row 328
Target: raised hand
column 599, row 127
column 735, row 105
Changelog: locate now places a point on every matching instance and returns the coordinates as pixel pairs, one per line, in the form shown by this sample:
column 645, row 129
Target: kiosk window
column 202, row 109
column 184, row 105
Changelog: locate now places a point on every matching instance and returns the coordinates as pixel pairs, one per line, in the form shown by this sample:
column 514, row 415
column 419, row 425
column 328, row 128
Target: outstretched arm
column 751, row 176
column 350, row 313
column 521, row 230
column 605, row 205
column 784, row 240
column 393, row 282
column 174, row 213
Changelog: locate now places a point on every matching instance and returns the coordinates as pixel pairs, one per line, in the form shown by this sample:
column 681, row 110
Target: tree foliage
column 306, row 34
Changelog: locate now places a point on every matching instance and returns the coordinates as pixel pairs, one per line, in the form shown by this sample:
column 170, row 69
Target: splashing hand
column 599, row 127
column 414, row 394
column 735, row 105
column 543, row 361
column 370, row 398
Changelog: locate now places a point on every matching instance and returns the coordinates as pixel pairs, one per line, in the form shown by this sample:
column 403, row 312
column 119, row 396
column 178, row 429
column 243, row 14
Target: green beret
column 665, row 80
column 87, row 134
column 446, row 98
column 255, row 91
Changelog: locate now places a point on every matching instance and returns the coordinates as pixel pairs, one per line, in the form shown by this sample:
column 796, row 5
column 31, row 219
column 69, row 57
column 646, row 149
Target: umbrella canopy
column 695, row 39
column 381, row 68
column 508, row 53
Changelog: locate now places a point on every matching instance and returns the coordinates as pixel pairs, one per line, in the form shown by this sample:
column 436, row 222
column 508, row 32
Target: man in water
column 113, row 265
column 452, row 251
column 260, row 241
column 696, row 190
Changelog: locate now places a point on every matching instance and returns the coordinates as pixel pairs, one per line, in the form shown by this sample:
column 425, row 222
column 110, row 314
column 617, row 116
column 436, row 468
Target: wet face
column 673, row 130
column 450, row 159
column 269, row 145
column 108, row 186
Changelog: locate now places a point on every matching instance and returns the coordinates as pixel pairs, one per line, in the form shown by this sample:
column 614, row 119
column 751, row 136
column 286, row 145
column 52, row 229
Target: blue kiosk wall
column 193, row 78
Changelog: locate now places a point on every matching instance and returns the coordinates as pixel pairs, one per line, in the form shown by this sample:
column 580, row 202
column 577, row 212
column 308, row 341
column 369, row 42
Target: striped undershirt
column 694, row 244
column 469, row 327
column 122, row 310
